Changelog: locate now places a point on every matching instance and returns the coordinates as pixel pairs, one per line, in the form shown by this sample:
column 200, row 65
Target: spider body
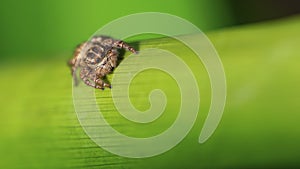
column 97, row 58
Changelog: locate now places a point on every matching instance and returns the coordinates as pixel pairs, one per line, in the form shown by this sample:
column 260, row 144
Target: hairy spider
column 97, row 58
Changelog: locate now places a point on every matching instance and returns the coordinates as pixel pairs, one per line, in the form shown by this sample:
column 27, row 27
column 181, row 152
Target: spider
column 97, row 58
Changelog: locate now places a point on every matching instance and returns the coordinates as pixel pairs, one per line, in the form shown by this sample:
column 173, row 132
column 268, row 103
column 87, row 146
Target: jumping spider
column 97, row 58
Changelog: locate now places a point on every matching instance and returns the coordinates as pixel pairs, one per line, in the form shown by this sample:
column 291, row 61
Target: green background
column 38, row 124
column 33, row 27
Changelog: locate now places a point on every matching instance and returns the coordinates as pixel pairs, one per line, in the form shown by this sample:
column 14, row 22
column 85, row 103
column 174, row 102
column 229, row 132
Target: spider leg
column 100, row 82
column 85, row 76
column 113, row 57
column 73, row 67
column 73, row 63
column 100, row 74
column 121, row 44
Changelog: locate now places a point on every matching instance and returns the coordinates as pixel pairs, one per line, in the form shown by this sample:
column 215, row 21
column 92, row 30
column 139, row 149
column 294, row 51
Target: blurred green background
column 33, row 27
column 257, row 42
